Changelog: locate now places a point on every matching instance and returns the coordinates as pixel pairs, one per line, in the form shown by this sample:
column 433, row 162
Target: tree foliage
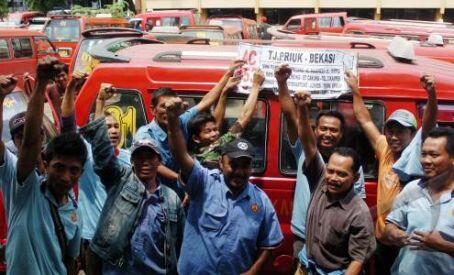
column 44, row 5
column 3, row 8
column 119, row 9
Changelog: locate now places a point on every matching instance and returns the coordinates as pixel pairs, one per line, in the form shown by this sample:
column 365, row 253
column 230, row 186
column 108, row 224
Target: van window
column 324, row 22
column 338, row 22
column 4, row 50
column 294, row 25
column 22, row 47
column 170, row 21
column 128, row 109
column 255, row 132
column 355, row 140
column 43, row 46
column 185, row 21
column 67, row 30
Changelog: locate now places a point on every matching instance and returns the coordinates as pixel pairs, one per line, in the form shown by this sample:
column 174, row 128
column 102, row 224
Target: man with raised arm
column 339, row 228
column 329, row 130
column 400, row 128
column 204, row 128
column 44, row 225
column 231, row 226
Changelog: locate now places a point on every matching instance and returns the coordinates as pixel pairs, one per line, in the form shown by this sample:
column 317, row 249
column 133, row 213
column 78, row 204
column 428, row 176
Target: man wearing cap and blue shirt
column 231, row 224
column 400, row 128
column 141, row 225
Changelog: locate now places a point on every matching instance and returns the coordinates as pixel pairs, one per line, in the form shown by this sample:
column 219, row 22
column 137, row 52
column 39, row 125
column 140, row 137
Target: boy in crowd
column 44, row 224
column 400, row 128
column 204, row 127
column 339, row 228
column 231, row 226
column 421, row 221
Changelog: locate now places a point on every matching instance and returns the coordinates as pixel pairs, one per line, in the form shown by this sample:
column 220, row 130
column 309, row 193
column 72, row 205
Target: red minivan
column 192, row 70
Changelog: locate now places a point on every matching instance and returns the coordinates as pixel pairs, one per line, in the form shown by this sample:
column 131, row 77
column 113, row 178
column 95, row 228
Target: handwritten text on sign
column 320, row 71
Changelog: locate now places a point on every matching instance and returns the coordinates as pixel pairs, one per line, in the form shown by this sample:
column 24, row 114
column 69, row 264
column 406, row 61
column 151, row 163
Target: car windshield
column 84, row 61
column 67, row 30
column 213, row 35
column 236, row 23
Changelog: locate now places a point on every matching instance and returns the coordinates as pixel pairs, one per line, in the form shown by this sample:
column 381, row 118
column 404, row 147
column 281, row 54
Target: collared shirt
column 32, row 246
column 154, row 131
column 302, row 194
column 339, row 231
column 92, row 194
column 209, row 156
column 414, row 210
column 223, row 233
column 147, row 242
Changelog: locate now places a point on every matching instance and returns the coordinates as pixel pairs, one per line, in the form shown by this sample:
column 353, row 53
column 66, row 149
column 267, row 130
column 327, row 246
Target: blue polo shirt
column 32, row 246
column 414, row 210
column 92, row 194
column 154, row 131
column 302, row 194
column 223, row 233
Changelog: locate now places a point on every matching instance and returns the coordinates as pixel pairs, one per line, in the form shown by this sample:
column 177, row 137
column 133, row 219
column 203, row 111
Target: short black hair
column 196, row 123
column 446, row 132
column 68, row 145
column 62, row 67
column 331, row 113
column 349, row 152
column 157, row 94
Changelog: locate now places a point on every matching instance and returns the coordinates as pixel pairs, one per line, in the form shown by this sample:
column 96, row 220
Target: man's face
column 435, row 159
column 61, row 80
column 113, row 129
column 63, row 173
column 145, row 164
column 397, row 136
column 339, row 174
column 159, row 111
column 208, row 134
column 236, row 171
column 328, row 132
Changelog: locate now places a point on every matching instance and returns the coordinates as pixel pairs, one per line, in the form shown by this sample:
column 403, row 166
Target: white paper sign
column 322, row 72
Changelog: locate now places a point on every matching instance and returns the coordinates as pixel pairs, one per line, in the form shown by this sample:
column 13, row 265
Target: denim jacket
column 121, row 212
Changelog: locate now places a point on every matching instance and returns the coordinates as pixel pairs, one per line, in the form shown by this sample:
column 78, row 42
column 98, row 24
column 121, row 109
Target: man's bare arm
column 361, row 113
column 106, row 92
column 177, row 142
column 288, row 108
column 7, row 84
column 67, row 105
column 31, row 142
column 256, row 268
column 305, row 132
column 429, row 119
column 211, row 97
column 354, row 268
column 394, row 236
column 219, row 111
column 249, row 106
column 167, row 173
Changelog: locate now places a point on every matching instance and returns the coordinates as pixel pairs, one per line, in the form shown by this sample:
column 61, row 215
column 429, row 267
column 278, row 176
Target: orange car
column 64, row 31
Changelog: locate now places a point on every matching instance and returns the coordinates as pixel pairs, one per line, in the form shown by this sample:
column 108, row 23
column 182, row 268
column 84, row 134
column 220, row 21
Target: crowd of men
column 179, row 201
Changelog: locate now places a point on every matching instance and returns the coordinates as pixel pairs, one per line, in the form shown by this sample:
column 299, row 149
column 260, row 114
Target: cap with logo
column 404, row 118
column 17, row 122
column 145, row 143
column 238, row 148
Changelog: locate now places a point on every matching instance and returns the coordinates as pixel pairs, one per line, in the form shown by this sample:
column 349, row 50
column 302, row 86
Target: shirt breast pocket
column 213, row 217
column 127, row 202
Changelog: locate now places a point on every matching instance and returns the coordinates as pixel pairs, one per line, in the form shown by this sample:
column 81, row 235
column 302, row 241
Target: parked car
column 163, row 18
column 386, row 84
column 248, row 27
column 23, row 18
column 216, row 34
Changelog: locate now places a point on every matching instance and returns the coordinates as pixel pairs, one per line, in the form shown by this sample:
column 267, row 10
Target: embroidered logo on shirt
column 254, row 208
column 74, row 217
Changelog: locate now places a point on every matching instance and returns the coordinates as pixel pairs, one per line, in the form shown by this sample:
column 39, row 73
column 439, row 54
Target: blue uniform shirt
column 92, row 194
column 302, row 194
column 32, row 246
column 223, row 234
column 414, row 210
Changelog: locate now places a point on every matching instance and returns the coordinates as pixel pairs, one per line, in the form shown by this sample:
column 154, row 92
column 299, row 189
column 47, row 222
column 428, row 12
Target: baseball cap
column 145, row 143
column 238, row 148
column 403, row 117
column 17, row 122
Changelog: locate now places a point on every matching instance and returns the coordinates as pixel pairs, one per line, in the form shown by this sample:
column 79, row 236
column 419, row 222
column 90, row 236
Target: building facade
column 277, row 12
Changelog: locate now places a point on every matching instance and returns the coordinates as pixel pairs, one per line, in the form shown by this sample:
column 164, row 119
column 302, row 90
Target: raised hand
column 352, row 80
column 77, row 81
column 232, row 83
column 106, row 91
column 428, row 83
column 46, row 71
column 7, row 84
column 258, row 78
column 174, row 106
column 236, row 65
column 282, row 73
column 302, row 98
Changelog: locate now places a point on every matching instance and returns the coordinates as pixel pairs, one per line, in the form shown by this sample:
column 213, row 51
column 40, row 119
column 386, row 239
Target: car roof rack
column 365, row 61
column 111, row 32
column 178, row 56
column 104, row 55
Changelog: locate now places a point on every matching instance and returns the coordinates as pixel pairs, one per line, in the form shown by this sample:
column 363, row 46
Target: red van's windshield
column 63, row 30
